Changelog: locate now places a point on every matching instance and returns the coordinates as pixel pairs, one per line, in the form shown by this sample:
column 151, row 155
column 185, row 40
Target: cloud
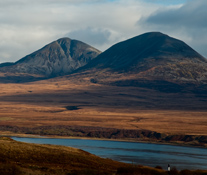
column 92, row 36
column 187, row 22
column 192, row 14
column 27, row 25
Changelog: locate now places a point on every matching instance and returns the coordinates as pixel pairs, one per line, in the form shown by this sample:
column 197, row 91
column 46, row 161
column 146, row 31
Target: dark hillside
column 147, row 49
column 152, row 60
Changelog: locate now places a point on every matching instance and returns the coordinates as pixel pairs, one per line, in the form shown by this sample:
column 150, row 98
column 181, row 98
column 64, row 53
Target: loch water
column 134, row 152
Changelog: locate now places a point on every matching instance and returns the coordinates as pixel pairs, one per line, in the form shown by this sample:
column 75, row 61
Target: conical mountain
column 57, row 58
column 152, row 56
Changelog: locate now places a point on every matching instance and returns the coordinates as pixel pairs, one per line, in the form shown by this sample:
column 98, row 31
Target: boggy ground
column 65, row 102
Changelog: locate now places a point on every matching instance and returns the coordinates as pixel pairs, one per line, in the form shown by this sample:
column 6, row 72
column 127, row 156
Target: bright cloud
column 27, row 25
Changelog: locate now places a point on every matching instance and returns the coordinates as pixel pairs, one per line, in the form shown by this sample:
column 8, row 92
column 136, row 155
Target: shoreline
column 15, row 144
column 183, row 144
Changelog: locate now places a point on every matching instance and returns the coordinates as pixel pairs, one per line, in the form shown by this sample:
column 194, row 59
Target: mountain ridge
column 152, row 56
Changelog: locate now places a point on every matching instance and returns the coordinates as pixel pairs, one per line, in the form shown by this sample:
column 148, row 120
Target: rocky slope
column 57, row 58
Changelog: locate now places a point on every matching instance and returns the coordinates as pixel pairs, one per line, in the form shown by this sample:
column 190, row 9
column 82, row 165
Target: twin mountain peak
column 150, row 56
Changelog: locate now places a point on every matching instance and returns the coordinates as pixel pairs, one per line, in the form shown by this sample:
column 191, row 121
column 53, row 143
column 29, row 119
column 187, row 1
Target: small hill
column 6, row 64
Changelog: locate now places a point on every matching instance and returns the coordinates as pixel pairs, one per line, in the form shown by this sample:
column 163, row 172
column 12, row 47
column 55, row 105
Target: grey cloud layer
column 187, row 22
column 192, row 14
column 97, row 36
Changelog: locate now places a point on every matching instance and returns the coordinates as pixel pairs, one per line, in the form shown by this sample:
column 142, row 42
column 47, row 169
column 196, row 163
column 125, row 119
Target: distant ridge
column 6, row 64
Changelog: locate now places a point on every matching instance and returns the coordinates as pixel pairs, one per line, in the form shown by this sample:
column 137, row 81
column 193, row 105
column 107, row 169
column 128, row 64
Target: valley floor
column 66, row 107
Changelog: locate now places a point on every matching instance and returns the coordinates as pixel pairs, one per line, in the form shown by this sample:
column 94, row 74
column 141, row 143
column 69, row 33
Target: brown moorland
column 74, row 102
column 25, row 158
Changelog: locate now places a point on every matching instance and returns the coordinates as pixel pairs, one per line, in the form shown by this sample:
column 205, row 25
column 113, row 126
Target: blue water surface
column 133, row 152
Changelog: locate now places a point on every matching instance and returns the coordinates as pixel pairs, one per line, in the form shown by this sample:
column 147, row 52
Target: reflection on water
column 138, row 153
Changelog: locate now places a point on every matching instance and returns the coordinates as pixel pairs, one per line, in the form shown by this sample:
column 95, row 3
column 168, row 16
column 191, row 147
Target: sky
column 28, row 25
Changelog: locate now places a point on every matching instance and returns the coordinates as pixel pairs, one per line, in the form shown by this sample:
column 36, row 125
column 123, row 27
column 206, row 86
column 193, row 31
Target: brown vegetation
column 49, row 159
column 105, row 133
column 71, row 102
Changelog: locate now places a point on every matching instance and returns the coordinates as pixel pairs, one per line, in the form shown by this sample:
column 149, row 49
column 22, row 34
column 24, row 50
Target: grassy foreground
column 17, row 158
column 25, row 158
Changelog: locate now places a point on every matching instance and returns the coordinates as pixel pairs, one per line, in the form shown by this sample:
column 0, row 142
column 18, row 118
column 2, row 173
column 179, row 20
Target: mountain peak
column 64, row 39
column 153, row 34
column 57, row 58
column 144, row 49
column 153, row 55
